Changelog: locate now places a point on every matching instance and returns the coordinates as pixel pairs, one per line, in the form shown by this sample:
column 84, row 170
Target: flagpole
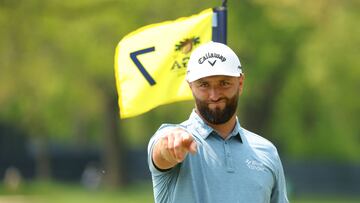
column 219, row 24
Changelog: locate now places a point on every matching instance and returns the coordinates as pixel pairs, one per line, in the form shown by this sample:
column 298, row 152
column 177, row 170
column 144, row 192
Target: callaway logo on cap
column 211, row 59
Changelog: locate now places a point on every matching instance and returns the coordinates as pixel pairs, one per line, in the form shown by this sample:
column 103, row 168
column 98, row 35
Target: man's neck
column 225, row 129
column 222, row 129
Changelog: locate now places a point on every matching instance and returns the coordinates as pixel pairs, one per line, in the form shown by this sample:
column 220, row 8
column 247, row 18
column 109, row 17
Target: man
column 226, row 164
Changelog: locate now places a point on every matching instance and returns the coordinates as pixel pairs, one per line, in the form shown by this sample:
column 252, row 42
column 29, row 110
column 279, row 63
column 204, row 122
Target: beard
column 217, row 116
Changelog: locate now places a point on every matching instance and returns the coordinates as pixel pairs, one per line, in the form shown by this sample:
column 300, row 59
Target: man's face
column 216, row 97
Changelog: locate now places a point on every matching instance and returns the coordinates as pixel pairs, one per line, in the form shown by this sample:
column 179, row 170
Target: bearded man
column 227, row 163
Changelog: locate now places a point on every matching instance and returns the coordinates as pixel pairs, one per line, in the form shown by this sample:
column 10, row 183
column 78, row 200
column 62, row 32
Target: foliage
column 300, row 60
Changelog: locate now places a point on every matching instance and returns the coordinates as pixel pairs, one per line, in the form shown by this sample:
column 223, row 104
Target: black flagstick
column 219, row 25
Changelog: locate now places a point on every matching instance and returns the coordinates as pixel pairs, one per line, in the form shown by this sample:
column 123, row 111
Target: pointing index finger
column 189, row 143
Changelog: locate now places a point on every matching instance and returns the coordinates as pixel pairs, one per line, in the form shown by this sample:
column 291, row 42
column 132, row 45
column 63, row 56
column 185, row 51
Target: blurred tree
column 302, row 68
column 57, row 80
column 317, row 110
column 58, row 73
column 300, row 59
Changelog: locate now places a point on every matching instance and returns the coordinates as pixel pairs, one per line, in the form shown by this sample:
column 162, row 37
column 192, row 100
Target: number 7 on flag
column 138, row 64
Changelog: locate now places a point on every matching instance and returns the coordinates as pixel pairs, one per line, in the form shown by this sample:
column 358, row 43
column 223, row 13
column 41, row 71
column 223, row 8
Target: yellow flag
column 150, row 63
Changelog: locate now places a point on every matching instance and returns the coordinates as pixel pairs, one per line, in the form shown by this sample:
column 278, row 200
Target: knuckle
column 164, row 138
column 170, row 147
column 177, row 147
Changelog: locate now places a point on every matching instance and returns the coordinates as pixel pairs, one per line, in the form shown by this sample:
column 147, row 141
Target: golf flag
column 150, row 63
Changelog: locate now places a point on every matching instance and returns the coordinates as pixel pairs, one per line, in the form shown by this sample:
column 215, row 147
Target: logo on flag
column 186, row 45
column 182, row 54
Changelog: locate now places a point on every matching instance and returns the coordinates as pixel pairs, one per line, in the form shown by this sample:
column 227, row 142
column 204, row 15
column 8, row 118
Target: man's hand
column 172, row 148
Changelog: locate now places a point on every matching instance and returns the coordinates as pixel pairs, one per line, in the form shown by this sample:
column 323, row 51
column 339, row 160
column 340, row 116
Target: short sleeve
column 279, row 194
column 163, row 181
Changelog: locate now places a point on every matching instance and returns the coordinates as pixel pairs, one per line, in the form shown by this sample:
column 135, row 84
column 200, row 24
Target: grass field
column 138, row 193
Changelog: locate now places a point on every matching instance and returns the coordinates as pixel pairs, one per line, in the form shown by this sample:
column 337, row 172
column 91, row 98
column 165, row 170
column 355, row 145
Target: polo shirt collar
column 205, row 130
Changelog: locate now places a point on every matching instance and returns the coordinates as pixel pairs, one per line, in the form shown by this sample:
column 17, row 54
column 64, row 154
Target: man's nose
column 214, row 94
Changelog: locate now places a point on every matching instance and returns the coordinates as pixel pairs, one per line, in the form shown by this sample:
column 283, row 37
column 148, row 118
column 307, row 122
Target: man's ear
column 241, row 83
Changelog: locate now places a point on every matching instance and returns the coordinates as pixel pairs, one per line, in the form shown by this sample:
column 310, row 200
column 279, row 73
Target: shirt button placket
column 228, row 158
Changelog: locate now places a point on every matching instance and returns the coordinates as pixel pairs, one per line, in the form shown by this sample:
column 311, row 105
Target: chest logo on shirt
column 255, row 165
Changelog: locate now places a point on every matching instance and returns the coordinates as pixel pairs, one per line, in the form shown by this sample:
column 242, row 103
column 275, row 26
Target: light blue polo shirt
column 244, row 168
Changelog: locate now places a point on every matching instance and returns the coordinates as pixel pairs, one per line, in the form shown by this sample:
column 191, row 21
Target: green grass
column 40, row 192
column 328, row 199
column 50, row 192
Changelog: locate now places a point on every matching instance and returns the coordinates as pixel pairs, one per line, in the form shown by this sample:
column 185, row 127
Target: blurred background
column 61, row 139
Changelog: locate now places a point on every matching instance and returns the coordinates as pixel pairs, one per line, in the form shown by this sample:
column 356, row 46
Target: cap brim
column 203, row 74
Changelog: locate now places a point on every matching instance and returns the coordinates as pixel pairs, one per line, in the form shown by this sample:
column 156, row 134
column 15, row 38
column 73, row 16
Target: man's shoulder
column 168, row 126
column 258, row 142
column 186, row 123
column 165, row 126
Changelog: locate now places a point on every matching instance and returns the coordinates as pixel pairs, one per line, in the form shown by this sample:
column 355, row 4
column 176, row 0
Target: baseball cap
column 212, row 58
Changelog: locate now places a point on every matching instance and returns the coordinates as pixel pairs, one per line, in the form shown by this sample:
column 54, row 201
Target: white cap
column 211, row 59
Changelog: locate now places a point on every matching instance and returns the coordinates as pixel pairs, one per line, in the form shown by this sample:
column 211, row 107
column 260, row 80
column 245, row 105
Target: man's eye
column 225, row 83
column 204, row 85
